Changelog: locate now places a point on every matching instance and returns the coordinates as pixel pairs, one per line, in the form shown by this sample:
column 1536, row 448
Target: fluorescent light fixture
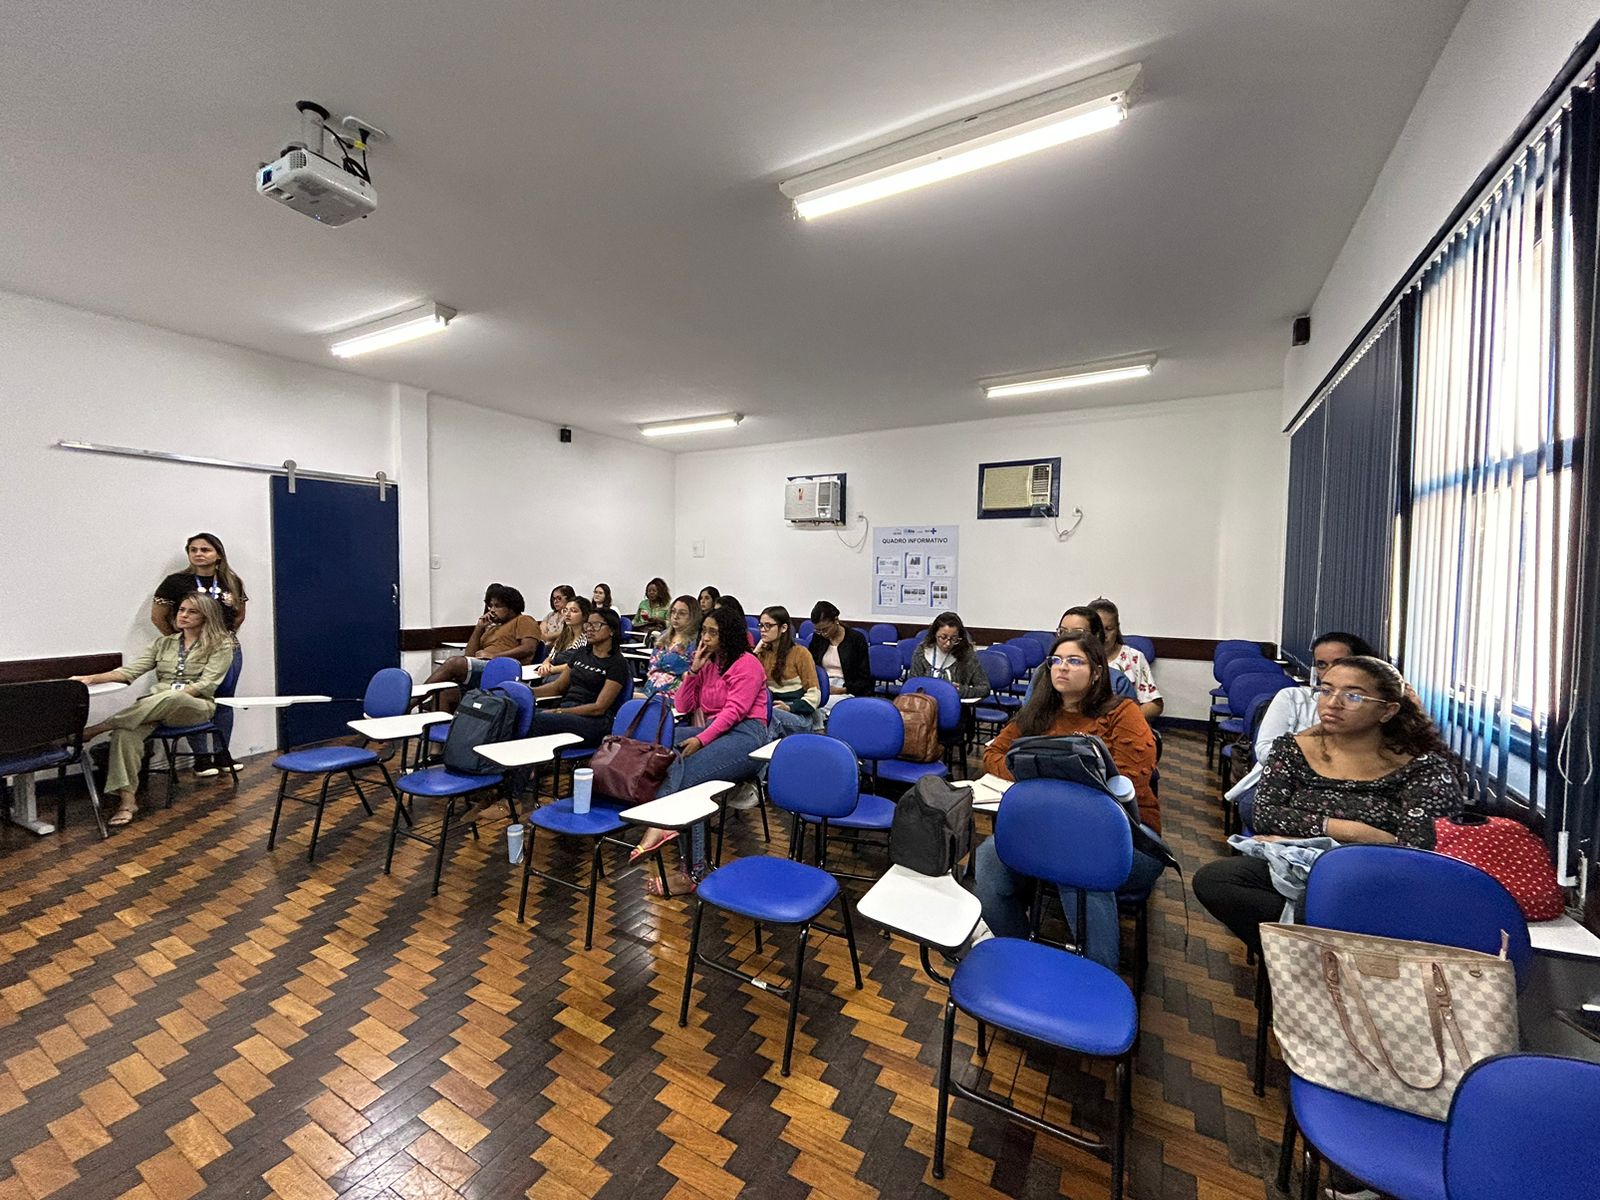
column 691, row 424
column 1086, row 375
column 392, row 330
column 1000, row 135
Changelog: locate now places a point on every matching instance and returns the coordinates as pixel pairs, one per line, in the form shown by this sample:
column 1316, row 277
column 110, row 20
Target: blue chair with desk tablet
column 170, row 735
column 1074, row 837
column 812, row 774
column 41, row 727
column 388, row 695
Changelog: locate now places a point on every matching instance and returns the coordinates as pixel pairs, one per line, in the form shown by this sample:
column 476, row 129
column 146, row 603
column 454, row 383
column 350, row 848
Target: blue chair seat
column 559, row 818
column 775, row 890
column 1401, row 1154
column 897, row 771
column 437, row 781
column 178, row 731
column 1233, row 725
column 1048, row 994
column 319, row 759
column 871, row 812
column 37, row 760
column 998, row 716
column 439, row 732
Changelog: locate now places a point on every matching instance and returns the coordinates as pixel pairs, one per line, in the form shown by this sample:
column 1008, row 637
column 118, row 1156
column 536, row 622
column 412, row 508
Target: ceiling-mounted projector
column 308, row 180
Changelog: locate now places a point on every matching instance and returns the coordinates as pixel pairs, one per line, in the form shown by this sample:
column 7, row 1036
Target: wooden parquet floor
column 183, row 1014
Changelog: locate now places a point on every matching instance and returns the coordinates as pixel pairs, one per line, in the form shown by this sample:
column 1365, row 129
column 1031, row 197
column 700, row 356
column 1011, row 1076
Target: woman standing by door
column 210, row 575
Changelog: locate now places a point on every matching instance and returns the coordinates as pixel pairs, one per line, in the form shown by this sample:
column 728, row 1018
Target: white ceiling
column 593, row 185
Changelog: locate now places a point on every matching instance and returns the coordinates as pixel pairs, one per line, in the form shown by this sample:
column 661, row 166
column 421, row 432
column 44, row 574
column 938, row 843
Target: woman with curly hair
column 1373, row 769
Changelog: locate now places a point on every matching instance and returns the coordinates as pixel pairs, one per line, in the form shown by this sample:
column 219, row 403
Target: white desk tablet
column 986, row 792
column 680, row 809
column 100, row 689
column 765, row 753
column 270, row 701
column 931, row 909
column 527, row 752
column 407, row 725
column 418, row 690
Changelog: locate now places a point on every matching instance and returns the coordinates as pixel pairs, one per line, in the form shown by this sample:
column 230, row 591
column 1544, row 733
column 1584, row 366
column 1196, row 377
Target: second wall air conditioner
column 1016, row 489
column 814, row 500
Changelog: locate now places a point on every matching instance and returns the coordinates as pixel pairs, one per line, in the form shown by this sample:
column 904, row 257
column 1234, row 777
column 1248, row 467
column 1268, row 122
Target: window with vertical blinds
column 1493, row 490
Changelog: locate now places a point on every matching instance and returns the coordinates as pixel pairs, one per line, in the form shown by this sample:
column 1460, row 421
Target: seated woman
column 1373, row 769
column 602, row 596
column 1077, row 700
column 725, row 696
column 791, row 674
column 708, row 600
column 946, row 653
column 675, row 650
column 503, row 631
column 651, row 615
column 556, row 619
column 1129, row 661
column 189, row 664
column 571, row 639
column 839, row 652
column 592, row 682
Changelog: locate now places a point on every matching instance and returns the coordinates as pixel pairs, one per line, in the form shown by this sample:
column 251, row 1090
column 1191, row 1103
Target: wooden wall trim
column 1194, row 649
column 31, row 670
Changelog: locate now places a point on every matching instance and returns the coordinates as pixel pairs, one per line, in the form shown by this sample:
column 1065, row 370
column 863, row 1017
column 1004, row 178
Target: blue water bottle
column 582, row 789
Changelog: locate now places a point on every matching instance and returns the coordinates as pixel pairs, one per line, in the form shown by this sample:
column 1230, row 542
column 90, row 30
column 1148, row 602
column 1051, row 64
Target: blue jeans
column 785, row 722
column 728, row 757
column 1007, row 896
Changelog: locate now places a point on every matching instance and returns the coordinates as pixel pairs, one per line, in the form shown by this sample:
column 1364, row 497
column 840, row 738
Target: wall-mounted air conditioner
column 1030, row 488
column 814, row 500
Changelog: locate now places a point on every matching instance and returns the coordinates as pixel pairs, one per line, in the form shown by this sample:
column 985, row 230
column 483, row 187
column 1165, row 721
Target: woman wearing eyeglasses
column 1078, row 700
column 592, row 683
column 946, row 653
column 791, row 674
column 1373, row 769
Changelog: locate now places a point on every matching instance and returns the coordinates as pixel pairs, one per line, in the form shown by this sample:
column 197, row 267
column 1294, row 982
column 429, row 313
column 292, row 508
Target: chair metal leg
column 172, row 771
column 759, row 949
column 850, row 937
column 388, row 782
column 761, row 793
column 594, row 881
column 61, row 796
column 1263, row 1023
column 1286, row 1148
column 444, row 834
column 316, row 823
column 361, row 795
column 1141, row 947
column 794, row 995
column 94, row 795
column 527, row 868
column 277, row 813
column 394, row 830
column 661, row 870
column 1121, row 1118
column 688, row 966
column 983, row 1036
column 1311, row 1174
column 942, row 1118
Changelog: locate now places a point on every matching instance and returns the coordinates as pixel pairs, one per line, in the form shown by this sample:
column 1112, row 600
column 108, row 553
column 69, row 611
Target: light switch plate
column 698, row 548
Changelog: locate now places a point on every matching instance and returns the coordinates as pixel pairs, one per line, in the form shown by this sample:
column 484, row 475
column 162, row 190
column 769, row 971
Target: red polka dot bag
column 1509, row 851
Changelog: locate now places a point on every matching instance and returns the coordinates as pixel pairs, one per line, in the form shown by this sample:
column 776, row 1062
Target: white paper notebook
column 986, row 792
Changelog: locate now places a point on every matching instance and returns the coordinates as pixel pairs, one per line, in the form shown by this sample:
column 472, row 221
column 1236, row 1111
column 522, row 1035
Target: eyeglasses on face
column 1067, row 660
column 596, row 625
column 766, row 625
column 1346, row 696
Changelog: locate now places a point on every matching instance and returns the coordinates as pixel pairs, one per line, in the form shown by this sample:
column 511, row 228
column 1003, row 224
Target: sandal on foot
column 123, row 816
column 639, row 852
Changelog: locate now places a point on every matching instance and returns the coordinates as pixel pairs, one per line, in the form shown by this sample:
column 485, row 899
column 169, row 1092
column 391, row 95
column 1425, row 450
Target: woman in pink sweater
column 724, row 694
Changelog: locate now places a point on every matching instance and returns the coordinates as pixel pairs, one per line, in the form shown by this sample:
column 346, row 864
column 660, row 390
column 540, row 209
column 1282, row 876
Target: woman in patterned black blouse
column 1373, row 769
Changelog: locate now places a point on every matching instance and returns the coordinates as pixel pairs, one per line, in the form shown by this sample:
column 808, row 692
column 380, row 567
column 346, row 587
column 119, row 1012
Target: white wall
column 1500, row 58
column 1184, row 521
column 511, row 504
column 88, row 537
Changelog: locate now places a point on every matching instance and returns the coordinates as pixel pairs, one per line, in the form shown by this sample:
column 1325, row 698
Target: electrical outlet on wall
column 698, row 548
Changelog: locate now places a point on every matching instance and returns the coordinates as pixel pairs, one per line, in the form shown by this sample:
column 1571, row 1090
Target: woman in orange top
column 1078, row 700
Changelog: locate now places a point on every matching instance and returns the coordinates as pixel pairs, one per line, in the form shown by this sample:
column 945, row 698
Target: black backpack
column 932, row 829
column 482, row 717
column 1083, row 758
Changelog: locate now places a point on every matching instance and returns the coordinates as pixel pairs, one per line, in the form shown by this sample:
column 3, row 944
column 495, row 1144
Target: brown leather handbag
column 630, row 769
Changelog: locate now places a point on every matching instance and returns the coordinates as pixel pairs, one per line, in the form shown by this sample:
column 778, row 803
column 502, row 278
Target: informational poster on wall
column 914, row 570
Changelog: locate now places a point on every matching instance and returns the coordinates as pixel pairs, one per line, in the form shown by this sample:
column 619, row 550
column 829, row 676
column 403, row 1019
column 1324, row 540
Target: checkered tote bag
column 1391, row 1021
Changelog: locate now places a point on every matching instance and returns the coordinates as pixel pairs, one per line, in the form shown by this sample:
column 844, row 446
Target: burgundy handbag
column 626, row 768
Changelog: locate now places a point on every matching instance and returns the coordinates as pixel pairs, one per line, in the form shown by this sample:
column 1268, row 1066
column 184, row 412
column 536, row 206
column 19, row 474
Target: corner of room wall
column 1498, row 60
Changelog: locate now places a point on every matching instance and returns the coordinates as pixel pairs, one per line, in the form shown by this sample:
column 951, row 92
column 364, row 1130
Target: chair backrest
column 1142, row 644
column 1221, row 658
column 497, row 671
column 824, row 686
column 997, row 667
column 1017, row 659
column 814, row 775
column 753, row 624
column 1244, row 689
column 1523, row 1125
column 388, row 693
column 41, row 714
column 625, row 624
column 908, row 651
column 1235, row 668
column 881, row 634
column 1067, row 833
column 1229, row 645
column 1033, row 650
column 230, row 680
column 869, row 725
column 945, row 693
column 884, row 661
column 1402, row 892
column 651, row 723
column 522, row 696
column 803, row 634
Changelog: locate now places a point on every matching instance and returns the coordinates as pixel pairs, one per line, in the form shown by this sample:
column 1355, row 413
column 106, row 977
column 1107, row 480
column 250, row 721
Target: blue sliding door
column 336, row 599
